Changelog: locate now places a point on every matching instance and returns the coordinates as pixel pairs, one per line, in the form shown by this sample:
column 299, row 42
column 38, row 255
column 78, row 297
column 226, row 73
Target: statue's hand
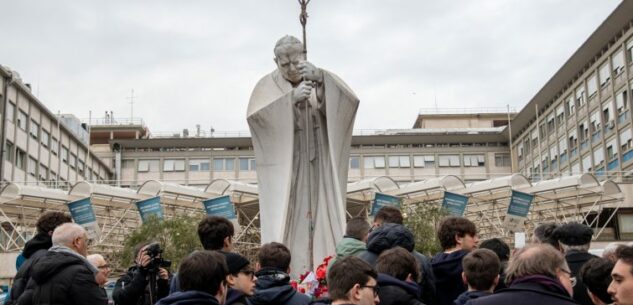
column 302, row 92
column 310, row 72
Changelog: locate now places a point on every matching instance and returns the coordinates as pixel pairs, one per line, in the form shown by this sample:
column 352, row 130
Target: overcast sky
column 196, row 62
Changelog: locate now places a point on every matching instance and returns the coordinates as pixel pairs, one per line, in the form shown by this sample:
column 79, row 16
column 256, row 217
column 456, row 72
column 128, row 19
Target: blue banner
column 520, row 204
column 220, row 206
column 82, row 213
column 454, row 204
column 382, row 200
column 149, row 207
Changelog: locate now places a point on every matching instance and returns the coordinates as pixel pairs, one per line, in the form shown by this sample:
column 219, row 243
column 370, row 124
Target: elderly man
column 537, row 274
column 301, row 120
column 574, row 240
column 100, row 263
column 64, row 270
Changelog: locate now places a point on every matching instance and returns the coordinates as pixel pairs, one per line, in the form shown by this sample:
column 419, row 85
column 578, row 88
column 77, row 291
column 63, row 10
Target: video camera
column 154, row 252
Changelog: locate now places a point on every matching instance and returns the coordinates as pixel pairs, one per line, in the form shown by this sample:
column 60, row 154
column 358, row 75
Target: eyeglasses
column 572, row 279
column 106, row 266
column 375, row 288
column 249, row 273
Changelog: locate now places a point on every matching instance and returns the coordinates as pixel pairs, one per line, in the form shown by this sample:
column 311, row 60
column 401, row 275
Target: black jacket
column 235, row 297
column 392, row 235
column 62, row 278
column 528, row 293
column 396, row 292
column 191, row 297
column 133, row 288
column 447, row 269
column 34, row 249
column 575, row 260
column 470, row 295
column 273, row 287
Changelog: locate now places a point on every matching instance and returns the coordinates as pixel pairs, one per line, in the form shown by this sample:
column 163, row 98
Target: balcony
column 627, row 156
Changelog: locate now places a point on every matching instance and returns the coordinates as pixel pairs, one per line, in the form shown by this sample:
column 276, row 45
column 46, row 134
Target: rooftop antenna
column 131, row 98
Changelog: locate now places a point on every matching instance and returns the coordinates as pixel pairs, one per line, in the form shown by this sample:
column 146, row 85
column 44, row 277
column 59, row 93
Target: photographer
column 146, row 282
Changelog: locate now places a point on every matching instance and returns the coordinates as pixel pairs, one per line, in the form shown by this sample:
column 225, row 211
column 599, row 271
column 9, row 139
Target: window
column 354, row 162
column 8, row 151
column 374, row 161
column 20, row 159
column 127, row 164
column 621, row 101
column 520, row 151
column 607, row 112
column 474, row 160
column 173, row 165
column 551, row 128
column 81, row 166
column 605, row 74
column 573, row 139
column 399, row 161
column 449, row 160
column 64, row 154
column 43, row 173
column 625, row 140
column 54, row 146
column 542, row 131
column 10, row 112
column 629, row 50
column 612, row 149
column 583, row 129
column 560, row 115
column 575, row 168
column 53, row 177
column 199, row 165
column 571, row 106
column 31, row 167
column 247, row 164
column 534, row 136
column 562, row 145
column 45, row 137
column 580, row 96
column 424, row 161
column 592, row 86
column 502, row 160
column 595, row 122
column 223, row 164
column 73, row 160
column 618, row 62
column 22, row 120
column 598, row 156
column 148, row 165
column 34, row 129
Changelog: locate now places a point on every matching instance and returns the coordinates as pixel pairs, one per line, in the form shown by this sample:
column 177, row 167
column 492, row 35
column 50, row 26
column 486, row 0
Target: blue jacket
column 470, row 295
column 191, row 297
column 447, row 268
column 273, row 287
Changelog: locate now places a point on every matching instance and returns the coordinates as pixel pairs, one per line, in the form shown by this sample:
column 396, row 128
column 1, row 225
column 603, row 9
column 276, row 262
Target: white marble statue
column 277, row 120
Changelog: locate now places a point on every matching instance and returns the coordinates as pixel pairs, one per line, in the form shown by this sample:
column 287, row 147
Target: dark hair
column 212, row 231
column 497, row 246
column 625, row 253
column 595, row 274
column 203, row 271
column 481, row 268
column 345, row 273
column 357, row 227
column 451, row 226
column 51, row 220
column 389, row 214
column 274, row 255
column 399, row 263
column 544, row 233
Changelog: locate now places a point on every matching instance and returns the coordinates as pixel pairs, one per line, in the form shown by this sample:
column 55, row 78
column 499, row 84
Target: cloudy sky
column 196, row 62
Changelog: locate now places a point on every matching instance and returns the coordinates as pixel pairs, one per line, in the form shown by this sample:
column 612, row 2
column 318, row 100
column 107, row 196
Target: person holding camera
column 146, row 282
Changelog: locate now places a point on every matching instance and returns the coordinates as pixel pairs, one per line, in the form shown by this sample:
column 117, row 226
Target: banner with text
column 82, row 213
column 454, row 204
column 220, row 206
column 381, row 200
column 149, row 207
column 517, row 211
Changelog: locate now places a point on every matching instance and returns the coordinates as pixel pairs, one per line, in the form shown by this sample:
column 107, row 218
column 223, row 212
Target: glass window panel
column 418, row 161
column 243, row 164
column 230, row 164
column 218, row 164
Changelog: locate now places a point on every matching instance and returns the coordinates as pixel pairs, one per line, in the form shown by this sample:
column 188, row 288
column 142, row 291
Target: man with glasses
column 241, row 279
column 353, row 281
column 100, row 263
column 537, row 274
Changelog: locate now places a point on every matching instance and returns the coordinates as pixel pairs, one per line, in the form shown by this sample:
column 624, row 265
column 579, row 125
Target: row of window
column 195, row 165
column 427, row 161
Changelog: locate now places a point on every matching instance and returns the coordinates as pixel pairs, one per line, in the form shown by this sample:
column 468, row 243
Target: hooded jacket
column 273, row 287
column 470, row 295
column 391, row 235
column 191, row 297
column 34, row 249
column 447, row 268
column 396, row 292
column 62, row 278
column 348, row 246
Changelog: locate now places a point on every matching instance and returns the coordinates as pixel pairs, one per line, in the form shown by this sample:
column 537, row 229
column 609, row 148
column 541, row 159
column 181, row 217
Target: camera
column 154, row 252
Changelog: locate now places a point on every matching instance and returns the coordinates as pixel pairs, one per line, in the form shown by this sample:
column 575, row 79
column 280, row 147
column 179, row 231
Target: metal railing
column 474, row 110
column 110, row 121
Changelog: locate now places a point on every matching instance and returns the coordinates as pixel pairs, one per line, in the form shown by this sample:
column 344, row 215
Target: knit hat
column 573, row 234
column 235, row 262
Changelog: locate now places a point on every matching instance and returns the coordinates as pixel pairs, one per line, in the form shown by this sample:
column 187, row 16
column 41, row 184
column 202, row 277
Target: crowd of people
column 374, row 264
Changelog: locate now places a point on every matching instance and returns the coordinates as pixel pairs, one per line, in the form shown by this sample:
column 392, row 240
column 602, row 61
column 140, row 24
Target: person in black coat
column 34, row 249
column 575, row 240
column 63, row 275
column 397, row 274
column 481, row 273
column 538, row 274
column 133, row 287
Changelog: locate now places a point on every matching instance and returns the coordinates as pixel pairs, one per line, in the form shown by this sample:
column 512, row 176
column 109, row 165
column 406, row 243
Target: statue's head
column 288, row 54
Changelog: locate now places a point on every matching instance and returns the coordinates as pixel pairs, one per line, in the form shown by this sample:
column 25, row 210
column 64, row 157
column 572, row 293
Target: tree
column 177, row 237
column 423, row 218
